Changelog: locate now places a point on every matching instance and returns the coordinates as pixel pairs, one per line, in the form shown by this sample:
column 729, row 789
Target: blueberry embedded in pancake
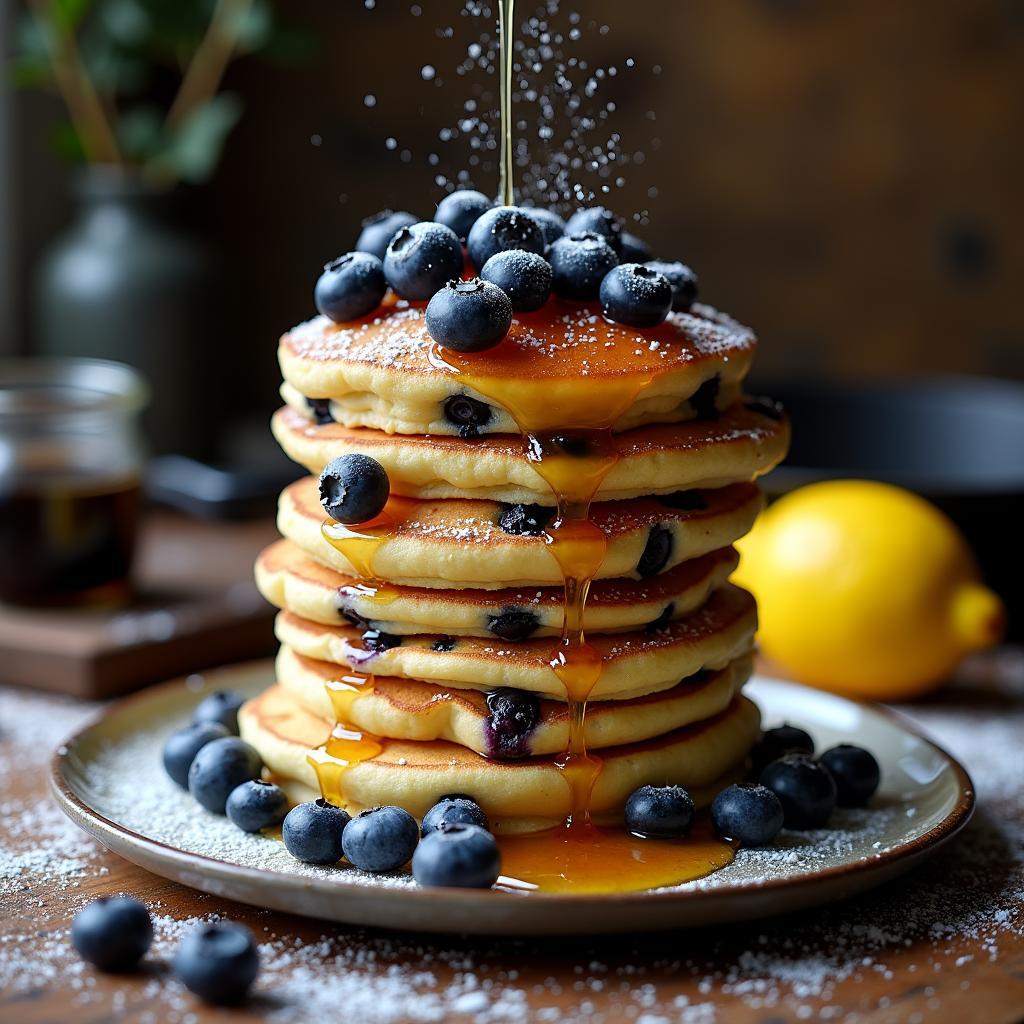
column 460, row 544
column 505, row 723
column 739, row 445
column 382, row 373
column 291, row 580
column 519, row 796
column 633, row 664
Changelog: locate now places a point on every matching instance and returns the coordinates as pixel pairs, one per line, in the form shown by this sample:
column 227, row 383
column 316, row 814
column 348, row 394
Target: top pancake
column 385, row 372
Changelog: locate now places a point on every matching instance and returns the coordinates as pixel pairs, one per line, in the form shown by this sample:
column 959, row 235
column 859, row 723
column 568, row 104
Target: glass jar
column 71, row 460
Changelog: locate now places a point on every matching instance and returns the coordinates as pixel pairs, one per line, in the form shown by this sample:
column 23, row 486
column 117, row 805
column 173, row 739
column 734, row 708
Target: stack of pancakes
column 433, row 636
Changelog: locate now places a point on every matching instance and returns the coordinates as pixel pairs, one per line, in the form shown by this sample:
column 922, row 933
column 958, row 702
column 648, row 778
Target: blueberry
column 855, row 771
column 112, row 933
column 218, row 962
column 468, row 414
column 663, row 621
column 445, row 645
column 380, row 840
column 469, row 316
column 805, row 788
column 454, row 810
column 218, row 768
column 421, row 258
column 461, row 210
column 704, row 401
column 633, row 249
column 220, row 706
column 766, row 407
column 321, row 410
column 350, row 287
column 576, row 446
column 464, row 856
column 502, row 228
column 748, row 813
column 513, row 624
column 354, row 488
column 257, row 804
column 550, row 223
column 635, row 295
column 182, row 746
column 526, row 520
column 378, row 641
column 512, row 716
column 685, row 501
column 579, row 264
column 659, row 812
column 682, row 279
column 523, row 276
column 783, row 739
column 601, row 221
column 657, row 552
column 312, row 832
column 379, row 229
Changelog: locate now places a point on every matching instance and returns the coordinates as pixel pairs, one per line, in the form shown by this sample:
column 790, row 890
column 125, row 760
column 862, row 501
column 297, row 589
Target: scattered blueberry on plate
column 221, row 706
column 421, row 258
column 381, row 839
column 354, row 488
column 659, row 812
column 181, row 748
column 350, row 287
column 463, row 856
column 635, row 295
column 774, row 743
column 469, row 316
column 461, row 209
column 749, row 813
column 579, row 264
column 682, row 279
column 112, row 933
column 218, row 768
column 312, row 832
column 805, row 789
column 525, row 277
column 256, row 804
column 218, row 962
column 379, row 229
column 454, row 810
column 502, row 228
column 855, row 771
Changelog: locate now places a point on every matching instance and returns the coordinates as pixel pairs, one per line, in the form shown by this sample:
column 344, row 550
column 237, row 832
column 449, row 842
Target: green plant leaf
column 27, row 72
column 193, row 150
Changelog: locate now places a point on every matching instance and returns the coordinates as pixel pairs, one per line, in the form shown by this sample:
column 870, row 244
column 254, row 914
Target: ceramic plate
column 109, row 779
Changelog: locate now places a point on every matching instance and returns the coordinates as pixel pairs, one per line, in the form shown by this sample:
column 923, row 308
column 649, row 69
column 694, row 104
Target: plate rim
column 894, row 858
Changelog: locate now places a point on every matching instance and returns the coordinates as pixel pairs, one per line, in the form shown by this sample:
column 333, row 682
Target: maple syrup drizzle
column 506, row 30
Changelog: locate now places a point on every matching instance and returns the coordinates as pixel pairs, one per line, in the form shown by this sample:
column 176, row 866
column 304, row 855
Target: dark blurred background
column 846, row 177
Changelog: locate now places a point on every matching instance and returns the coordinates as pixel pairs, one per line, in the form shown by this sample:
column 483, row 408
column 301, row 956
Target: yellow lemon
column 865, row 589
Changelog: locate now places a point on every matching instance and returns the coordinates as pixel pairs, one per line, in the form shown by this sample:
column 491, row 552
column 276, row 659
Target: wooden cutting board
column 195, row 607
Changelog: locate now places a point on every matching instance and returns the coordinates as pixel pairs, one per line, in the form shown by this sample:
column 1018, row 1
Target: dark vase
column 125, row 282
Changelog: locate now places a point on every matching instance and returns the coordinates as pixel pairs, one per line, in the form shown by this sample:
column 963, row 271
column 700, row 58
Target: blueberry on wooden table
column 312, row 832
column 463, row 856
column 112, row 933
column 218, row 962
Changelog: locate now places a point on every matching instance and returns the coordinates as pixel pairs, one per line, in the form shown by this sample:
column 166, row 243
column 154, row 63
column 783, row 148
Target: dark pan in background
column 958, row 441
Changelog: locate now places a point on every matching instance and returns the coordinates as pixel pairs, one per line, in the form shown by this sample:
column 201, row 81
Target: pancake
column 384, row 372
column 524, row 796
column 635, row 664
column 288, row 578
column 406, row 709
column 460, row 544
column 742, row 443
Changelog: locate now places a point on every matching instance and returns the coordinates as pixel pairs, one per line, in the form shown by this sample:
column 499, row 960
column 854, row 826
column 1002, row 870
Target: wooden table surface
column 945, row 943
